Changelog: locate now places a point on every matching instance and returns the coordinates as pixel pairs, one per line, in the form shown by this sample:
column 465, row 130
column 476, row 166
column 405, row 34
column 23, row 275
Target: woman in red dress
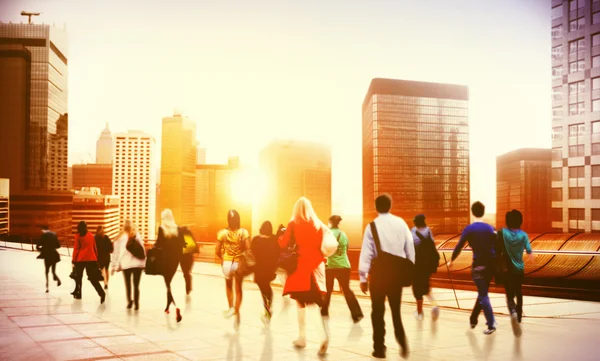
column 306, row 285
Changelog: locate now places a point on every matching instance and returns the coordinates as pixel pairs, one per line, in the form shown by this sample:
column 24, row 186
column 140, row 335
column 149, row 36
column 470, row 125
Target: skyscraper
column 104, row 147
column 134, row 180
column 201, row 156
column 93, row 175
column 576, row 115
column 91, row 206
column 34, row 128
column 523, row 183
column 294, row 169
column 178, row 168
column 416, row 148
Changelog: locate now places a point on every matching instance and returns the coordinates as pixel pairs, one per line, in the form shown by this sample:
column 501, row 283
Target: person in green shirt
column 338, row 267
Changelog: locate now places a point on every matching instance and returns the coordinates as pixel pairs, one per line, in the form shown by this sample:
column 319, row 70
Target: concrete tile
column 134, row 348
column 168, row 356
column 35, row 320
column 52, row 333
column 75, row 350
column 77, row 318
column 100, row 330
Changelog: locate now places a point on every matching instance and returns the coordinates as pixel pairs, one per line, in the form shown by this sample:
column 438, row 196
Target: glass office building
column 416, row 148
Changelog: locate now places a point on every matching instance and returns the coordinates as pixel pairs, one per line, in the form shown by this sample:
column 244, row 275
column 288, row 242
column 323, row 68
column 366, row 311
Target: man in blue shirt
column 396, row 240
column 482, row 238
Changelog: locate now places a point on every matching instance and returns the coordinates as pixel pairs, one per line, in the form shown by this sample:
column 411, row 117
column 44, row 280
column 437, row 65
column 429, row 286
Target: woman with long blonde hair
column 131, row 265
column 306, row 284
column 171, row 243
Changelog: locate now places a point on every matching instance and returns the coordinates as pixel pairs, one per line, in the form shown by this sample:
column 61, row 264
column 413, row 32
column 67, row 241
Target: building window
column 577, row 87
column 557, row 32
column 576, row 214
column 557, row 133
column 576, row 150
column 577, row 65
column 557, row 93
column 577, row 173
column 556, row 214
column 557, row 52
column 596, row 171
column 576, row 108
column 556, row 154
column 576, row 4
column 556, row 174
column 596, row 17
column 557, row 12
column 557, row 113
column 556, row 194
column 576, row 46
column 577, row 24
column 595, row 192
column 576, row 192
column 557, row 71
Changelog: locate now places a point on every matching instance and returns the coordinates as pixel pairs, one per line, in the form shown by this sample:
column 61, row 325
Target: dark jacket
column 48, row 245
column 266, row 252
column 171, row 250
column 426, row 256
column 105, row 248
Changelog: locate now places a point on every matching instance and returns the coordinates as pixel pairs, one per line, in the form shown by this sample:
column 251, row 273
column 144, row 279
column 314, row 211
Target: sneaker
column 514, row 321
column 435, row 313
column 323, row 348
column 178, row 315
column 266, row 319
column 229, row 313
column 300, row 343
column 489, row 330
column 419, row 316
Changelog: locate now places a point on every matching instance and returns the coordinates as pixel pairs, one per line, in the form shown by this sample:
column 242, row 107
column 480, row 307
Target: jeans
column 482, row 276
column 343, row 277
column 513, row 283
column 136, row 274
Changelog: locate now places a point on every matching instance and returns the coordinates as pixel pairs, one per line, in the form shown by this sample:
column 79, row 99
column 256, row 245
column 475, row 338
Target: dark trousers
column 49, row 266
column 513, row 283
column 93, row 273
column 136, row 275
column 264, row 284
column 187, row 262
column 380, row 288
column 482, row 277
column 343, row 277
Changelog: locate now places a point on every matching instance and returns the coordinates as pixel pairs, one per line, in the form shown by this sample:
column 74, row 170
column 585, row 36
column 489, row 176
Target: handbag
column 190, row 244
column 288, row 258
column 135, row 248
column 247, row 263
column 329, row 244
column 389, row 266
column 153, row 262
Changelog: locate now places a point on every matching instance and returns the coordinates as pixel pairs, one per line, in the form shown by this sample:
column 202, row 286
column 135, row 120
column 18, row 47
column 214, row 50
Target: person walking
column 481, row 238
column 511, row 243
column 131, row 263
column 427, row 260
column 85, row 257
column 48, row 252
column 170, row 242
column 266, row 252
column 105, row 248
column 187, row 258
column 306, row 285
column 338, row 267
column 232, row 242
column 390, row 235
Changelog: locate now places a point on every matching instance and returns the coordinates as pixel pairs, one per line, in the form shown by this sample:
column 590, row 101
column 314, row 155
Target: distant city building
column 96, row 209
column 523, row 180
column 34, row 128
column 178, row 168
column 214, row 199
column 93, row 175
column 575, row 115
column 134, row 180
column 70, row 178
column 104, row 147
column 294, row 169
column 201, row 156
column 4, row 207
column 416, row 148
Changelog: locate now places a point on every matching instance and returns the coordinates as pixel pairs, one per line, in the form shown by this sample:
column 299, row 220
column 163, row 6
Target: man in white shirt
column 396, row 241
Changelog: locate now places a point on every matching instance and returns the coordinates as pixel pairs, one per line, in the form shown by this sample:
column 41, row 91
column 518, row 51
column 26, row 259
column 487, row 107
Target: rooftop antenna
column 29, row 15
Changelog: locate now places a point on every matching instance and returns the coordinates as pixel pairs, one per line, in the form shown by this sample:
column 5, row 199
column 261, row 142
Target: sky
column 251, row 71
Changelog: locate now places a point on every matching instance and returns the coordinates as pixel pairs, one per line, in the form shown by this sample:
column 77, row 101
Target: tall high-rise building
column 214, row 198
column 134, row 180
column 523, row 183
column 33, row 106
column 294, row 169
column 416, row 148
column 576, row 115
column 96, row 209
column 178, row 167
column 34, row 128
column 104, row 147
column 201, row 156
column 93, row 175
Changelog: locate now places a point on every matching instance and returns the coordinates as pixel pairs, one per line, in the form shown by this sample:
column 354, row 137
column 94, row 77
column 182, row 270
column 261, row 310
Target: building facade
column 104, row 147
column 576, row 115
column 294, row 169
column 201, row 156
column 214, row 199
column 4, row 207
column 96, row 209
column 134, row 180
column 93, row 175
column 178, row 168
column 523, row 180
column 416, row 148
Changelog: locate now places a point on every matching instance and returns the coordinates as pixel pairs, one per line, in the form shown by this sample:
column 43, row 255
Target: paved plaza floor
column 39, row 326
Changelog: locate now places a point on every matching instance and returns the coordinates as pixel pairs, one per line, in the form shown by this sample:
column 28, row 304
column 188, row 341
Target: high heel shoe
column 178, row 312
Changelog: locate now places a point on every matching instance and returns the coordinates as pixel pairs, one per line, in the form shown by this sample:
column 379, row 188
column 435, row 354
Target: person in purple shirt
column 482, row 238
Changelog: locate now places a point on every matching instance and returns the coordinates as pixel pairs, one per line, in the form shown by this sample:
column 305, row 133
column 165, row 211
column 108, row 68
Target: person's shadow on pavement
column 267, row 352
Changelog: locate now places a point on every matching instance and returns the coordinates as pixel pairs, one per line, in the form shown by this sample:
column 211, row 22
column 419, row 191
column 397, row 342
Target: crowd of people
column 309, row 256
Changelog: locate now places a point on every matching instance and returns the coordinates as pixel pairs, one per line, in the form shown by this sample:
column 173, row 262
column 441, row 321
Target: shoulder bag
column 135, row 248
column 389, row 266
column 329, row 244
column 288, row 258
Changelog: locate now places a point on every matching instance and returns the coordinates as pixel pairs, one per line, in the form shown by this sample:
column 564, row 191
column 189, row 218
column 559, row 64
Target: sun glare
column 247, row 186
